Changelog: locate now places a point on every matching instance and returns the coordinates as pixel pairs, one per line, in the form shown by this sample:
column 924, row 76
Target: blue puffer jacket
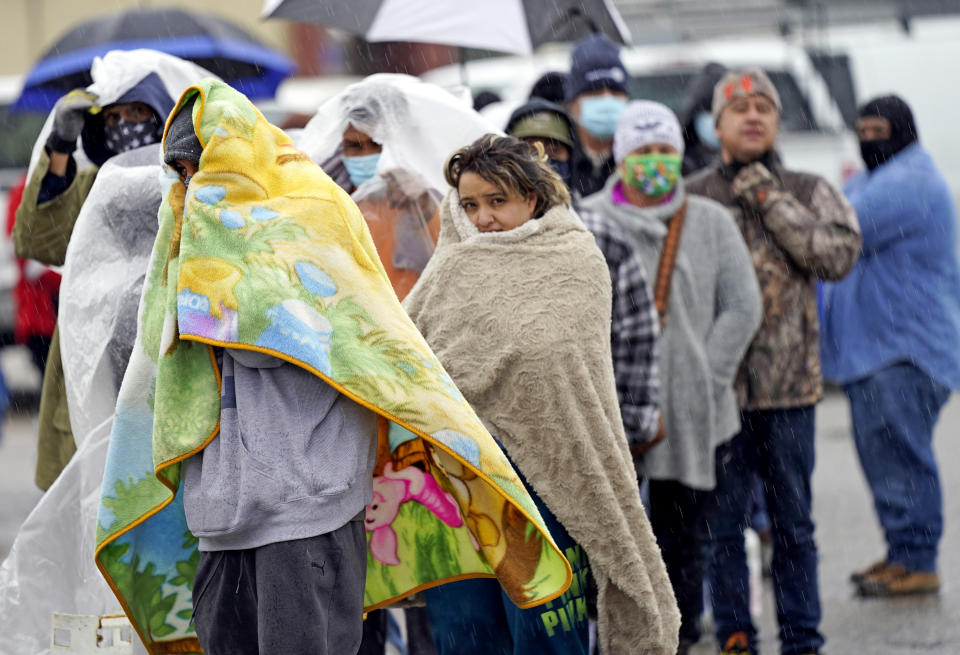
column 901, row 302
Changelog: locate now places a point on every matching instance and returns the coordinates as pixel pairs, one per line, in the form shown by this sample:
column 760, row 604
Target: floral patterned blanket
column 266, row 253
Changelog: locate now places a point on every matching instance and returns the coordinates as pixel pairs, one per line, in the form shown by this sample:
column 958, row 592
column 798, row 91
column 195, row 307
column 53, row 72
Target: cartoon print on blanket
column 266, row 253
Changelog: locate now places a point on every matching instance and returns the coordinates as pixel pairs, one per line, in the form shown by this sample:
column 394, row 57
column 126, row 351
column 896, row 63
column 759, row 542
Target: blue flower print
column 298, row 330
column 263, row 214
column 460, row 444
column 314, row 280
column 210, row 194
column 231, row 219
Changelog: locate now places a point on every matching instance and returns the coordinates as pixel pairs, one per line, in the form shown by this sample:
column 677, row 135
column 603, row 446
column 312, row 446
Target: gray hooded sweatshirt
column 294, row 458
column 713, row 312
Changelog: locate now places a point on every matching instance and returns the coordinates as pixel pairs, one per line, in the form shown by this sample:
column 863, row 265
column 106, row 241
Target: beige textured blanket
column 521, row 321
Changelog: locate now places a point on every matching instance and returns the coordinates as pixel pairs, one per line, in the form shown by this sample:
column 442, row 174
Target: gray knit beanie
column 182, row 141
column 743, row 84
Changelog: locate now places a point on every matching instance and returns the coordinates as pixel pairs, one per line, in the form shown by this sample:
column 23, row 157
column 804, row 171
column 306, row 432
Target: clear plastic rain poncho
column 50, row 567
column 418, row 126
column 117, row 72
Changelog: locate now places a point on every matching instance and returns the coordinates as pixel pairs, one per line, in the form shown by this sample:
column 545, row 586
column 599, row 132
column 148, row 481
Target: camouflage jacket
column 799, row 229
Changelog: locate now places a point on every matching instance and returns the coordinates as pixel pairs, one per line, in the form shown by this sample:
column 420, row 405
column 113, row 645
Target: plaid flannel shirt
column 634, row 332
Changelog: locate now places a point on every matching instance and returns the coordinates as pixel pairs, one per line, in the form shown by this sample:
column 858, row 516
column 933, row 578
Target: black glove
column 69, row 115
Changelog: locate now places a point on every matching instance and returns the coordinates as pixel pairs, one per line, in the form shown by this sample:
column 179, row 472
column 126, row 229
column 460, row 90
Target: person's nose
column 753, row 116
column 486, row 218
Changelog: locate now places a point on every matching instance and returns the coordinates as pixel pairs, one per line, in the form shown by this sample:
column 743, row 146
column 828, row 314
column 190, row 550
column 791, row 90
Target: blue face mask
column 599, row 114
column 361, row 169
column 705, row 127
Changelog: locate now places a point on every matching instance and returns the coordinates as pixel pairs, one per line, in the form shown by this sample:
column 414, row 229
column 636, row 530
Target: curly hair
column 511, row 165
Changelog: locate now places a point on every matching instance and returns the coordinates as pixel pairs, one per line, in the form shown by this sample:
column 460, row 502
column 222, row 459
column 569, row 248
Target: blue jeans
column 894, row 412
column 777, row 446
column 475, row 617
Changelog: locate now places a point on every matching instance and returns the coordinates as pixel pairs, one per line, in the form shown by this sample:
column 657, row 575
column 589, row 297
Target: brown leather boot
column 858, row 577
column 896, row 580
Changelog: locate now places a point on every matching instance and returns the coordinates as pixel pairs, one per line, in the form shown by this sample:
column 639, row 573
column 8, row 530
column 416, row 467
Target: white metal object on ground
column 89, row 634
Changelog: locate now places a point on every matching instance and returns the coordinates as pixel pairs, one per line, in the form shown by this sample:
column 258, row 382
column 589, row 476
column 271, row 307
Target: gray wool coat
column 714, row 310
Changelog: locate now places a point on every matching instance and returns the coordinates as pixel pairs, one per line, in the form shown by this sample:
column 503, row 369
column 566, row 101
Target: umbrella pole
column 463, row 67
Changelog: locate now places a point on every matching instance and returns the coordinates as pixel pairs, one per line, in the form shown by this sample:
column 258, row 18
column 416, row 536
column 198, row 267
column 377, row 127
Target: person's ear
column 531, row 202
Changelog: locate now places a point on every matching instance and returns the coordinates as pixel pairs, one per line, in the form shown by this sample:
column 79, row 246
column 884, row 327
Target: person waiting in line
column 551, row 86
column 701, row 146
column 543, row 122
column 799, row 229
column 891, row 337
column 274, row 540
column 384, row 141
column 129, row 116
column 529, row 347
column 709, row 308
column 597, row 91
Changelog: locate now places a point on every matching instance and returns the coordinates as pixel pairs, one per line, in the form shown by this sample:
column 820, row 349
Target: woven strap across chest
column 668, row 261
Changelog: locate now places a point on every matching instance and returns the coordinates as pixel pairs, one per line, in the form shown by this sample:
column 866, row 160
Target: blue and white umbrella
column 212, row 42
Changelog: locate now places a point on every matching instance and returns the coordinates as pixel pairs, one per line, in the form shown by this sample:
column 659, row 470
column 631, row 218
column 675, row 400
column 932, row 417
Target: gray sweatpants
column 301, row 597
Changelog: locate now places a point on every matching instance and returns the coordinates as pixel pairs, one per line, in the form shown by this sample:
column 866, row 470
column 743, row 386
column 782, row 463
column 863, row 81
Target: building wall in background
column 29, row 27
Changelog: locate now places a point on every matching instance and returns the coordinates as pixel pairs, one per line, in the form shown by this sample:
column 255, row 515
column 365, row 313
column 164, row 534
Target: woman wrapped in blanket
column 516, row 303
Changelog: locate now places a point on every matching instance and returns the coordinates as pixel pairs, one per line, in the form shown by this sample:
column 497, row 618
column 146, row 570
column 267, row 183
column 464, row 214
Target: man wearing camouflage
column 798, row 229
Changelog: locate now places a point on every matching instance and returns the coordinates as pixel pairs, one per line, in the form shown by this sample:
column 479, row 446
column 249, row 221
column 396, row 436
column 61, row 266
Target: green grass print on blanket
column 267, row 253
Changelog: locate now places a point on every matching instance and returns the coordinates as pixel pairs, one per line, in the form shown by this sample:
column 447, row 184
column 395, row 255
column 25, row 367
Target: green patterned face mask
column 652, row 175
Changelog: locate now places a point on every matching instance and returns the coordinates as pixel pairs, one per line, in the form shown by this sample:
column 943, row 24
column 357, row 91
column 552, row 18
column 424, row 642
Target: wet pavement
column 847, row 535
column 849, row 538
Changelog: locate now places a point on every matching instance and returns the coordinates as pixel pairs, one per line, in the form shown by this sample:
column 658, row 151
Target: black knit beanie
column 551, row 86
column 182, row 141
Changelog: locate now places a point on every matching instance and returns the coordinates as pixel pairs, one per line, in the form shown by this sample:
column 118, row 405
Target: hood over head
column 699, row 93
column 418, row 124
column 903, row 129
column 180, row 141
column 150, row 91
column 128, row 76
column 550, row 86
column 539, row 117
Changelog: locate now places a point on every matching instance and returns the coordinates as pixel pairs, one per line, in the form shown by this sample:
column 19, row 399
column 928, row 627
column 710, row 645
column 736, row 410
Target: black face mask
column 562, row 169
column 903, row 130
column 876, row 152
column 127, row 135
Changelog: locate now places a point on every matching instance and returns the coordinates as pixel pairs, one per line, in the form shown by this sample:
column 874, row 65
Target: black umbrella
column 212, row 42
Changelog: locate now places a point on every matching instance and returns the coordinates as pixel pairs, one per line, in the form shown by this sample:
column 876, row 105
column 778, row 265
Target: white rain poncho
column 50, row 567
column 117, row 72
column 418, row 125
